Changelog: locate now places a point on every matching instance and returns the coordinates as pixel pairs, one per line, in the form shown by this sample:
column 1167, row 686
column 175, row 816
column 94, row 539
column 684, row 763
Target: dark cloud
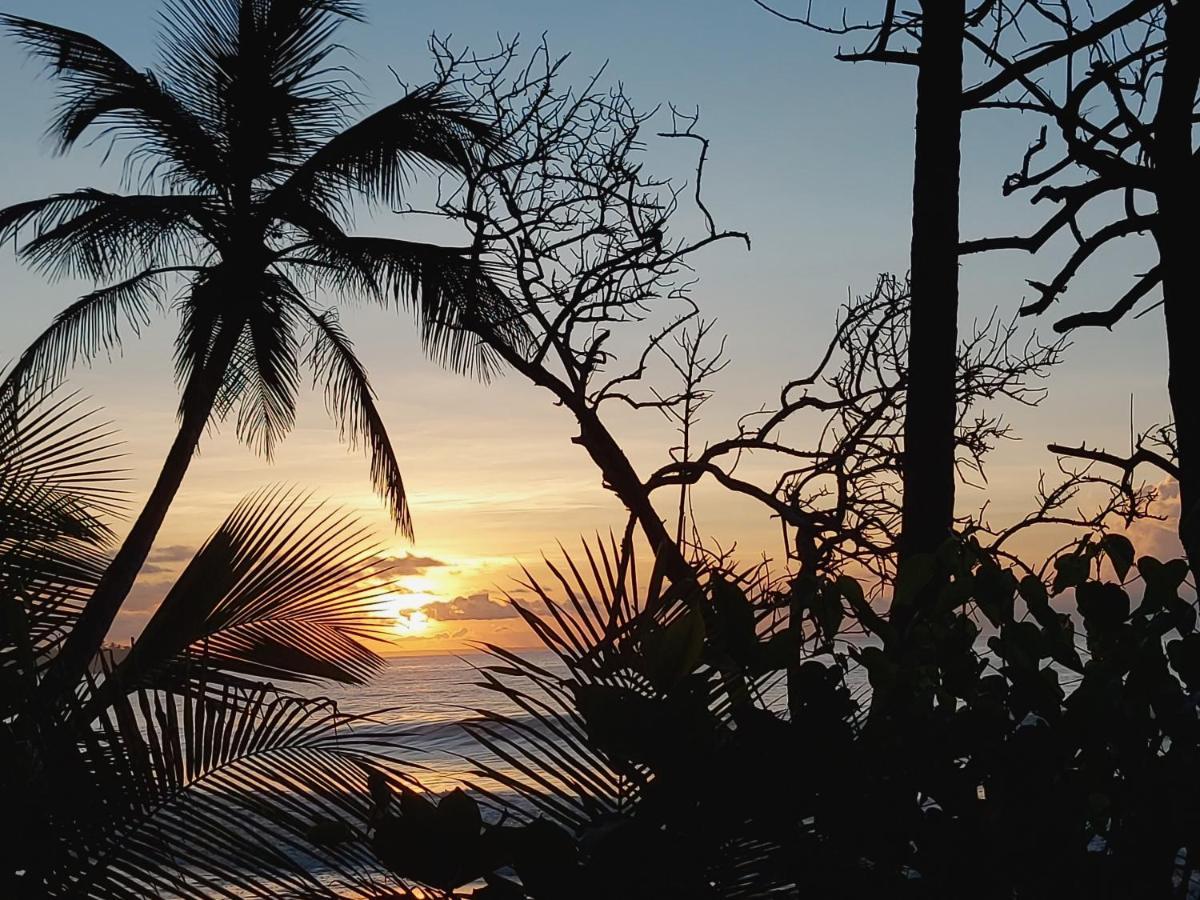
column 156, row 569
column 171, row 554
column 166, row 560
column 145, row 597
column 408, row 564
column 476, row 606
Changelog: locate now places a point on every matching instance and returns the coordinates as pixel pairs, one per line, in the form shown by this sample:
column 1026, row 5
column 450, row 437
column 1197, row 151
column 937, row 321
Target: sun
column 410, row 595
column 412, row 623
column 408, row 618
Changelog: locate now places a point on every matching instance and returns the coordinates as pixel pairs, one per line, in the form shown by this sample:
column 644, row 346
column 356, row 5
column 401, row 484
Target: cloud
column 408, row 564
column 165, row 560
column 476, row 606
column 1160, row 537
column 145, row 597
column 172, row 553
column 155, row 569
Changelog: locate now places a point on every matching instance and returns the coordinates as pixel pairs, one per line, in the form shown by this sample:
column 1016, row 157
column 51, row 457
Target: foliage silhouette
column 583, row 235
column 934, row 37
column 1002, row 729
column 174, row 769
column 246, row 168
column 1050, row 750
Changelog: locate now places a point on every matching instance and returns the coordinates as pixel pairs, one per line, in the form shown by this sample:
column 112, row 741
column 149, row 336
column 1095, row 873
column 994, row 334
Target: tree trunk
column 619, row 475
column 1178, row 193
column 929, row 423
column 621, row 478
column 87, row 636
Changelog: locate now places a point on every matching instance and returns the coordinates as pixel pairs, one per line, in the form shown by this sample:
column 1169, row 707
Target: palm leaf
column 548, row 759
column 282, row 97
column 99, row 235
column 351, row 402
column 57, row 487
column 261, row 378
column 268, row 405
column 243, row 783
column 89, row 326
column 604, row 746
column 453, row 295
column 98, row 87
column 283, row 590
column 377, row 157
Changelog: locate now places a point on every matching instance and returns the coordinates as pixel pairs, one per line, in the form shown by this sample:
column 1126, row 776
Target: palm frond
column 91, row 325
column 261, row 377
column 548, row 757
column 99, row 235
column 351, row 402
column 283, row 590
column 246, row 784
column 203, row 313
column 378, row 157
column 58, row 486
column 100, row 88
column 270, row 361
column 646, row 730
column 259, row 76
column 452, row 295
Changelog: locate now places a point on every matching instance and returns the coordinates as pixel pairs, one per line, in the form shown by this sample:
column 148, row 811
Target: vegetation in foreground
column 1029, row 728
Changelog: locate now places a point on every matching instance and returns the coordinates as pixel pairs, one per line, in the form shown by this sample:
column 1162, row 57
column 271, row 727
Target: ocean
column 427, row 699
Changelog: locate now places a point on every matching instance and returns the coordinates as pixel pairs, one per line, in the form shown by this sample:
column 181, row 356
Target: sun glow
column 413, row 623
column 408, row 598
column 408, row 617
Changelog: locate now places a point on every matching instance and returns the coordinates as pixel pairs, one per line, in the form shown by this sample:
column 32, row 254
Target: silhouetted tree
column 841, row 497
column 838, row 498
column 932, row 38
column 579, row 241
column 172, row 768
column 239, row 142
column 1125, row 115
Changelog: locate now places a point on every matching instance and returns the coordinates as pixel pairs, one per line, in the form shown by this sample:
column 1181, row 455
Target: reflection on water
column 429, row 697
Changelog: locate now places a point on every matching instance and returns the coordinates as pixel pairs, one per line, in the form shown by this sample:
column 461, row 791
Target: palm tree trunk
column 1178, row 193
column 87, row 636
column 929, row 424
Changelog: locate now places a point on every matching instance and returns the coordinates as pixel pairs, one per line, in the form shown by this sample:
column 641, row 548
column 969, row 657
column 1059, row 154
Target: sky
column 812, row 157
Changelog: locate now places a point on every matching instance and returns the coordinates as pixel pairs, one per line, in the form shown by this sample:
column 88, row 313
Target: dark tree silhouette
column 840, row 497
column 173, row 769
column 932, row 38
column 1125, row 117
column 580, row 239
column 246, row 167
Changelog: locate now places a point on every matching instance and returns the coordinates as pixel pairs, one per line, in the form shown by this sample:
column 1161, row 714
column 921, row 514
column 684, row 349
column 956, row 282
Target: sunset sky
column 812, row 157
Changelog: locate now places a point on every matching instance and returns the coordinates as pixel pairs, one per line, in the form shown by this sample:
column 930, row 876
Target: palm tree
column 245, row 173
column 176, row 770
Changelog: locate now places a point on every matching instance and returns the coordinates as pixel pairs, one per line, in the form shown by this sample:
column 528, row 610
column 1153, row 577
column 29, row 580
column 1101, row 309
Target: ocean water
column 432, row 690
column 424, row 701
column 427, row 700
